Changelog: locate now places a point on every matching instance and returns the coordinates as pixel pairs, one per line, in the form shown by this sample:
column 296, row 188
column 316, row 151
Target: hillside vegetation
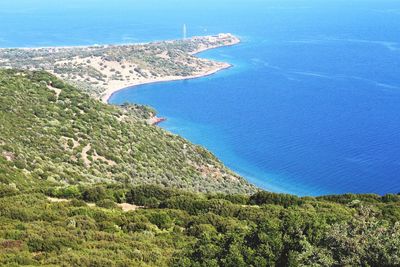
column 179, row 228
column 87, row 184
column 52, row 133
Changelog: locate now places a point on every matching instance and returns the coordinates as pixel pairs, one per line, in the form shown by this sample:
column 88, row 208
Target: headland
column 102, row 70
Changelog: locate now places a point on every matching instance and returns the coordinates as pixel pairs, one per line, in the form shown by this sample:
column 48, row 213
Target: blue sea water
column 311, row 106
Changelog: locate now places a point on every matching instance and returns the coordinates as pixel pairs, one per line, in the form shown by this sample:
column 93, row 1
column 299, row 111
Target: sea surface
column 310, row 107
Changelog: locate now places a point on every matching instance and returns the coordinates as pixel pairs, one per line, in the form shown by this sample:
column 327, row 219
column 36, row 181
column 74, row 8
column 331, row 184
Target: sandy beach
column 115, row 87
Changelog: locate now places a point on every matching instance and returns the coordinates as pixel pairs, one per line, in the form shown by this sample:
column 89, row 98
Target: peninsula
column 104, row 69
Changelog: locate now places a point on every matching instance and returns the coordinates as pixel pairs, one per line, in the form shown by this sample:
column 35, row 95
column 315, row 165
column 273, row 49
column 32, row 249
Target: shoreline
column 101, row 70
column 107, row 45
column 108, row 93
column 111, row 91
column 105, row 69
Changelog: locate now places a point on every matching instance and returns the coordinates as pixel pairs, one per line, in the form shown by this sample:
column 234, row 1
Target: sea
column 311, row 105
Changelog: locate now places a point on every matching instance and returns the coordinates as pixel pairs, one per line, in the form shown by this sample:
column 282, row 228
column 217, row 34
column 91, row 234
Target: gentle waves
column 310, row 107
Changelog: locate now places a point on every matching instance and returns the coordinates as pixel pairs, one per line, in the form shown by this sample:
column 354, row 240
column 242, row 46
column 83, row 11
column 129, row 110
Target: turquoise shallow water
column 310, row 107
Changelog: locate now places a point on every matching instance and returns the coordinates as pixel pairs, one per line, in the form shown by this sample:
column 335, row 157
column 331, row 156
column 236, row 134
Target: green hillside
column 87, row 184
column 52, row 133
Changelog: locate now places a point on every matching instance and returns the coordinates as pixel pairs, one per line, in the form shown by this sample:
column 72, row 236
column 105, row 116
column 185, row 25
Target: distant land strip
column 101, row 70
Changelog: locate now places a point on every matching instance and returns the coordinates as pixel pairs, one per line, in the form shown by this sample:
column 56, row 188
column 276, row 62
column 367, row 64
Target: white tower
column 184, row 32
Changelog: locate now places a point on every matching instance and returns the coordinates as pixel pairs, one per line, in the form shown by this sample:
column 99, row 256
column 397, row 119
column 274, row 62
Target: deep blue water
column 311, row 106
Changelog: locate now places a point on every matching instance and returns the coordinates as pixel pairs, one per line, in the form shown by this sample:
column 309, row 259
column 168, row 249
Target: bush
column 94, row 194
column 8, row 190
column 161, row 219
column 106, row 203
column 149, row 194
column 263, row 197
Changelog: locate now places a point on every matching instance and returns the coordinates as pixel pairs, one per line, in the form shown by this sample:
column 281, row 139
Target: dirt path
column 55, row 90
column 85, row 159
column 124, row 206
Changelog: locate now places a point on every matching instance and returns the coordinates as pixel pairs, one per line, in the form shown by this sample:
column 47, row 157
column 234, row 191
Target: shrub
column 106, row 203
column 94, row 194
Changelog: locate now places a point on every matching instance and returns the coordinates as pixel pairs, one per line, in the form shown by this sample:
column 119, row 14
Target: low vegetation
column 181, row 228
column 70, row 138
column 87, row 184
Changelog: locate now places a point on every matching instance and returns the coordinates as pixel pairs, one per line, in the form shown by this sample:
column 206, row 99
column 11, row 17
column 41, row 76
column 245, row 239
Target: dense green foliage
column 179, row 228
column 71, row 138
column 61, row 201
